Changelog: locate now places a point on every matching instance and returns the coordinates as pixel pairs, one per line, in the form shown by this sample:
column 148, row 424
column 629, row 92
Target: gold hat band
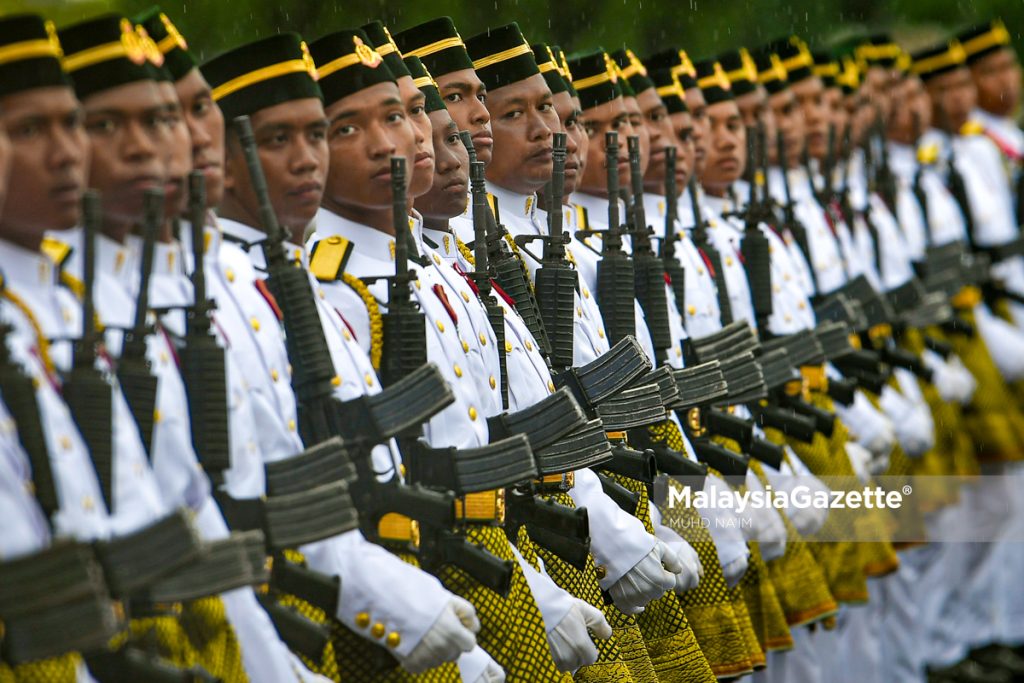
column 502, row 56
column 28, row 49
column 437, row 46
column 291, row 66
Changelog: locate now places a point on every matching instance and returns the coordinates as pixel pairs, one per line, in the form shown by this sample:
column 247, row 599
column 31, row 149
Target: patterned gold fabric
column 212, row 639
column 57, row 670
column 763, row 604
column 512, row 630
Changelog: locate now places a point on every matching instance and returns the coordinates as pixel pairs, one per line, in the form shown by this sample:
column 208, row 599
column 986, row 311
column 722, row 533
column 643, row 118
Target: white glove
column 478, row 666
column 870, row 428
column 1004, row 342
column 966, row 382
column 763, row 525
column 571, row 646
column 452, row 634
column 648, row 580
column 724, row 526
column 693, row 570
column 915, row 429
column 807, row 519
column 861, row 460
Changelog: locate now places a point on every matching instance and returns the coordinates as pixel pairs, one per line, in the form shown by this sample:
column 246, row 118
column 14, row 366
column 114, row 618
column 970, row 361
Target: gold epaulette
column 492, row 201
column 582, row 219
column 328, row 258
column 972, row 128
column 56, row 251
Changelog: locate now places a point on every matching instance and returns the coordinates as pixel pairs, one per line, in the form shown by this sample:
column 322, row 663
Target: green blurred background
column 700, row 26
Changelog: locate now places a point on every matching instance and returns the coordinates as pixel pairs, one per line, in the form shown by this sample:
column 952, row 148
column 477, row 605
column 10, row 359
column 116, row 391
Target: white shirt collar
column 24, row 268
column 367, row 241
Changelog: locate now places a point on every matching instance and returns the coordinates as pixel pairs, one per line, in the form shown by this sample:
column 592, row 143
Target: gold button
column 274, row 375
column 679, row 353
column 802, row 305
column 483, row 339
column 472, row 413
column 465, row 297
column 529, row 345
column 230, row 275
column 458, row 370
column 255, row 322
column 377, row 630
column 508, row 347
column 163, row 357
column 65, row 442
column 88, row 504
column 700, row 271
column 157, row 416
column 393, row 640
column 291, row 425
column 586, row 293
column 321, row 293
column 289, row 369
column 465, row 346
column 362, row 620
column 336, row 381
column 601, row 571
column 346, row 334
column 728, row 261
column 29, row 486
column 789, row 318
column 551, row 386
column 437, row 259
column 440, row 326
column 691, row 309
column 368, row 377
column 786, row 277
column 600, row 332
column 493, row 382
column 579, row 312
column 417, row 283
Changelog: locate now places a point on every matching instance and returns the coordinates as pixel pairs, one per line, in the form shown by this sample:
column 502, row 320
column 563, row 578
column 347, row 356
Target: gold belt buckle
column 815, row 377
column 693, row 421
column 485, row 507
column 558, row 482
column 398, row 528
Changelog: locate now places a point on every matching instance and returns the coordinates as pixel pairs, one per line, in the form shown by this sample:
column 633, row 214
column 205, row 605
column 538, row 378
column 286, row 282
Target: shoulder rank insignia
column 56, row 251
column 493, row 202
column 328, row 258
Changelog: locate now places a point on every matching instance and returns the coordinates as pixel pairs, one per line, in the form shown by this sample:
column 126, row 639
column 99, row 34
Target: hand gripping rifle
column 202, row 359
column 86, row 391
column 790, row 222
column 755, row 248
column 615, row 278
column 703, row 243
column 481, row 274
column 648, row 269
column 133, row 371
column 367, row 420
column 673, row 267
column 556, row 280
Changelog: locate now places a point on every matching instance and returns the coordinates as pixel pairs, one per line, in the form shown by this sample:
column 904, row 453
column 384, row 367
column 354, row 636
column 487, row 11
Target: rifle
column 790, row 221
column 322, row 415
column 86, row 390
column 884, row 178
column 668, row 245
column 481, row 274
column 648, row 269
column 556, row 280
column 133, row 370
column 829, row 168
column 871, row 174
column 615, row 278
column 700, row 239
column 202, row 358
column 918, row 187
column 756, row 251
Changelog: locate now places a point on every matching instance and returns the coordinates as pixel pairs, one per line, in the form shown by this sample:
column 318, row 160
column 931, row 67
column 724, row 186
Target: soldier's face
column 206, row 130
column 523, row 120
column 900, row 127
column 997, row 76
column 636, row 121
column 953, row 96
column 422, row 165
column 178, row 153
column 837, row 116
column 751, row 107
column 579, row 131
column 127, row 127
column 683, row 127
column 604, row 118
column 466, row 96
column 49, row 157
column 726, row 149
column 292, row 145
column 810, row 95
column 367, row 128
column 699, row 120
column 789, row 121
column 569, row 119
column 448, row 196
column 877, row 83
column 659, row 131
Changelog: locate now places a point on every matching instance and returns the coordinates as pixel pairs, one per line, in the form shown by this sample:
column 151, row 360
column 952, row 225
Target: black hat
column 984, row 39
column 595, row 78
column 346, row 64
column 563, row 68
column 177, row 59
column 678, row 61
column 30, row 54
column 878, row 49
column 632, row 70
column 262, row 74
column 549, row 68
column 826, row 67
column 740, row 70
column 713, row 82
column 770, row 71
column 670, row 90
column 501, row 56
column 938, row 59
column 380, row 39
column 437, row 44
column 425, row 82
column 106, row 52
column 796, row 58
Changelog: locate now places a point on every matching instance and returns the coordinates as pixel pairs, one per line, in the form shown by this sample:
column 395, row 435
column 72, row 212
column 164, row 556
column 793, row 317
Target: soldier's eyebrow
column 461, row 86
